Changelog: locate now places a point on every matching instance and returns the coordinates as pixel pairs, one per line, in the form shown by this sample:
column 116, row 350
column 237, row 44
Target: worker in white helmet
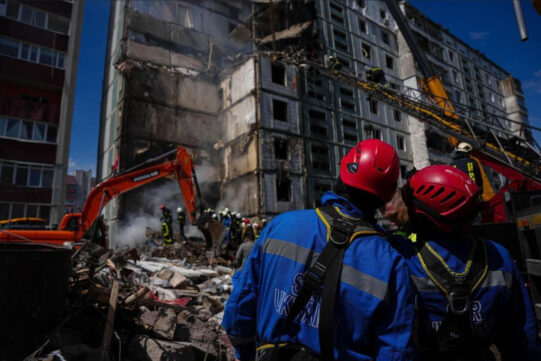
column 462, row 160
column 181, row 219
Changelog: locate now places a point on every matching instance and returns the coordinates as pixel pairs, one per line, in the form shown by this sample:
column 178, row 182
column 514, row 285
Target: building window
column 456, row 78
column 397, row 116
column 337, row 13
column 367, row 51
column 9, row 47
column 283, row 188
column 373, row 105
column 279, row 110
column 27, row 52
column 35, row 17
column 18, row 210
column 340, row 40
column 26, row 175
column 451, row 56
column 361, row 4
column 382, row 14
column 373, row 133
column 349, row 127
column 278, row 73
column 401, row 143
column 280, row 148
column 320, row 157
column 318, row 127
column 27, row 130
column 385, row 37
column 389, row 62
column 362, row 26
column 492, row 98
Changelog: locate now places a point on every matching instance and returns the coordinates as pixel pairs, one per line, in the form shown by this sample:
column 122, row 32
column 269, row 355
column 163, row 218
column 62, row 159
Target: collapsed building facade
column 232, row 81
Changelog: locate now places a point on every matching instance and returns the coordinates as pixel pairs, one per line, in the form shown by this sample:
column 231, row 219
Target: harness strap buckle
column 313, row 280
column 341, row 232
column 459, row 303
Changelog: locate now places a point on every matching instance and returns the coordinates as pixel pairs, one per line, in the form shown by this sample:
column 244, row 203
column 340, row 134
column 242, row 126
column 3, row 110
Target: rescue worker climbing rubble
column 283, row 300
column 472, row 301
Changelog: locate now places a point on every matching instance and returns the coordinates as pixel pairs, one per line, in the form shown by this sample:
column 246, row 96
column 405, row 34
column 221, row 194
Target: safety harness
column 324, row 275
column 454, row 338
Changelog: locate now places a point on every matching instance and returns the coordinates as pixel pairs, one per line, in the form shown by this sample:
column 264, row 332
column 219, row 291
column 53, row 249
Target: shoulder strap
column 326, row 270
column 457, row 288
column 454, row 285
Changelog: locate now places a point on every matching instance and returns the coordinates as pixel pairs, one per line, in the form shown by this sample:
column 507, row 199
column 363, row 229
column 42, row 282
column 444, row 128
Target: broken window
column 340, row 40
column 367, row 51
column 278, row 73
column 397, row 116
column 316, row 127
column 372, row 133
column 400, row 142
column 349, row 127
column 283, row 188
column 373, row 106
column 315, row 87
column 389, row 62
column 385, row 36
column 320, row 157
column 279, row 110
column 362, row 26
column 280, row 148
column 337, row 13
column 347, row 99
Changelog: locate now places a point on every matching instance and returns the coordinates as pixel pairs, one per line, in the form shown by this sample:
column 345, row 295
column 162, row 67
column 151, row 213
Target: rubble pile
column 127, row 306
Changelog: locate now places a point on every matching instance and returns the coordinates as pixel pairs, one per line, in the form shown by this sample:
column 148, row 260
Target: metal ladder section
column 488, row 136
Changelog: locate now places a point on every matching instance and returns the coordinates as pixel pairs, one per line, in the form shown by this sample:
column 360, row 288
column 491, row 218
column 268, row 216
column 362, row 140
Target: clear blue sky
column 487, row 25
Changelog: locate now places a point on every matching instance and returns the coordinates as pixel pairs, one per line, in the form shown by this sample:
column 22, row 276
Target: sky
column 486, row 25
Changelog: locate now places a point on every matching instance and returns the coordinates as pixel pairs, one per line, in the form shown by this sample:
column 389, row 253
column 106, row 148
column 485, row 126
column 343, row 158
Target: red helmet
column 373, row 166
column 162, row 206
column 446, row 195
column 246, row 221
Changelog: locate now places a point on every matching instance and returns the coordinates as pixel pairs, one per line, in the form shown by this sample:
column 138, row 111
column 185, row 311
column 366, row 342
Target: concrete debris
column 169, row 306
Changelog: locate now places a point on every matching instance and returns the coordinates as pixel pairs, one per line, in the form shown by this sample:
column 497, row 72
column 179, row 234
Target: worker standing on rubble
column 462, row 160
column 473, row 303
column 166, row 233
column 167, row 215
column 244, row 249
column 181, row 219
column 305, row 262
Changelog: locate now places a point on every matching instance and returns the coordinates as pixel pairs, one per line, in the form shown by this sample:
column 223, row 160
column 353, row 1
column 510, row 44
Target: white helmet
column 464, row 147
column 179, row 209
column 226, row 210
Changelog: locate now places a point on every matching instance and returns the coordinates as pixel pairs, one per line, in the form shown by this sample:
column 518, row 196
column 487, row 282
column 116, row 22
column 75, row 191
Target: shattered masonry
column 201, row 74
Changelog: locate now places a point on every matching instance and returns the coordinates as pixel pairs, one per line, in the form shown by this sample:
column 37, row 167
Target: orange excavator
column 75, row 226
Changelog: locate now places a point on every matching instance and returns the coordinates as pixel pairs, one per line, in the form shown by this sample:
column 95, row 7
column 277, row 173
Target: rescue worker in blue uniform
column 472, row 302
column 374, row 313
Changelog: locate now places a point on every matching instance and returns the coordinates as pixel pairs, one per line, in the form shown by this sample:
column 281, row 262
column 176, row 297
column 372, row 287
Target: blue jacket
column 501, row 298
column 374, row 314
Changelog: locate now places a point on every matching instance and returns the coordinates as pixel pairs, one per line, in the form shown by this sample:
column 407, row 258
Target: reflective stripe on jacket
column 374, row 314
column 500, row 304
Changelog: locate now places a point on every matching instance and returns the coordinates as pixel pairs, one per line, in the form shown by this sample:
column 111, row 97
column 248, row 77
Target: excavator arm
column 181, row 167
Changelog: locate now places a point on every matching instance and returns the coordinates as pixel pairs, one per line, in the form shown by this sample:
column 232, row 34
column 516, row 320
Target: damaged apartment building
column 233, row 82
